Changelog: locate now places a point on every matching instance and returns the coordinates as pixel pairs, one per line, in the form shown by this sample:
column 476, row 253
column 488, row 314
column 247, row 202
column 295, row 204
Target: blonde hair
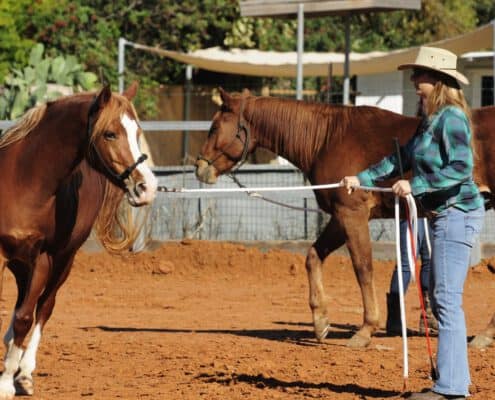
column 445, row 94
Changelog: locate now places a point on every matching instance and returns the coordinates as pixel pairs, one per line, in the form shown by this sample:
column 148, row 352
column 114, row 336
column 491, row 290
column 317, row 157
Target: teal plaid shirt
column 441, row 159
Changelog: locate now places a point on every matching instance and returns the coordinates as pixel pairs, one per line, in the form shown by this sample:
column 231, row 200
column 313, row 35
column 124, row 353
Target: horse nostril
column 140, row 188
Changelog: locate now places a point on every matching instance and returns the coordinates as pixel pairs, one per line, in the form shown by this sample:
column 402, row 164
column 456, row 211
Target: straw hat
column 439, row 60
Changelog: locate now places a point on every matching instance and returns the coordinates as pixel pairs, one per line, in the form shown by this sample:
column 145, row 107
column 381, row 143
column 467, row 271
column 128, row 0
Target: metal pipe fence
column 237, row 216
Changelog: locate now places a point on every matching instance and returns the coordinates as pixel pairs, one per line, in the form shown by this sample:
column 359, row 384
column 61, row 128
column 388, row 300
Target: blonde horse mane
column 116, row 226
column 117, row 105
column 24, row 126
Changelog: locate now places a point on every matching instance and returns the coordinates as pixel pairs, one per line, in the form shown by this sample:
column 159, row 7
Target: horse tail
column 118, row 225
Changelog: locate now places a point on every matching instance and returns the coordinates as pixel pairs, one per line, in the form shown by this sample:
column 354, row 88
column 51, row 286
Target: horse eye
column 109, row 135
column 212, row 130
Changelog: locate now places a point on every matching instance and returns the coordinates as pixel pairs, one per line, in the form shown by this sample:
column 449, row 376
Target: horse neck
column 59, row 141
column 289, row 129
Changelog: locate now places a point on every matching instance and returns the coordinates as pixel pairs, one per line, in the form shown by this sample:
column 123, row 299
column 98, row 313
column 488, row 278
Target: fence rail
column 152, row 126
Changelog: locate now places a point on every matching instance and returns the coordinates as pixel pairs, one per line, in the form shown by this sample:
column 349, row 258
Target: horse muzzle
column 205, row 172
column 140, row 193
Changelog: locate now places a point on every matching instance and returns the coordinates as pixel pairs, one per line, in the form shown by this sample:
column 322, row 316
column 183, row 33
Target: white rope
column 412, row 237
column 427, row 235
column 401, row 289
column 269, row 189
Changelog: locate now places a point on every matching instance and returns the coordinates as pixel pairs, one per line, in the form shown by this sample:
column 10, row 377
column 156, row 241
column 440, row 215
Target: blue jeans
column 454, row 232
column 422, row 251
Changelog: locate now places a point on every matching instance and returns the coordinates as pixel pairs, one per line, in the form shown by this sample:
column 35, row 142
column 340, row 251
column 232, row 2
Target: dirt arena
column 205, row 320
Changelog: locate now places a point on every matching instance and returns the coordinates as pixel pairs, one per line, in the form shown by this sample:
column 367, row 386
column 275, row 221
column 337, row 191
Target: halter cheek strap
column 241, row 126
column 93, row 108
column 128, row 171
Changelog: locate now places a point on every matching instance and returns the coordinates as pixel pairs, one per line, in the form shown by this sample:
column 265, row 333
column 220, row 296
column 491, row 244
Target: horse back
column 484, row 145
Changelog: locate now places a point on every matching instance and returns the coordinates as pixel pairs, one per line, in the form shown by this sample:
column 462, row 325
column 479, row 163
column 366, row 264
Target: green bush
column 23, row 89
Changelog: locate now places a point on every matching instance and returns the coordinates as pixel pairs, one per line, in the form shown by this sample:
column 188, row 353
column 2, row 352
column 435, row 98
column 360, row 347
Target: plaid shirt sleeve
column 388, row 167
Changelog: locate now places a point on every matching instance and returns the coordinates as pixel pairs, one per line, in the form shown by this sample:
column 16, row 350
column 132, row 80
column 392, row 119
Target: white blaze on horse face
column 131, row 128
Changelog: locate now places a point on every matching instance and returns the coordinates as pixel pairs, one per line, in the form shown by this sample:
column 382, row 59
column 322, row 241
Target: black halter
column 241, row 126
column 93, row 109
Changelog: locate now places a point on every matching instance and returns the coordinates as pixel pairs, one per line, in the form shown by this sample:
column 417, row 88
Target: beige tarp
column 279, row 64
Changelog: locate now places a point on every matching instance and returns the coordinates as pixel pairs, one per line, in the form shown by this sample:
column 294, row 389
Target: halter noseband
column 93, row 108
column 241, row 126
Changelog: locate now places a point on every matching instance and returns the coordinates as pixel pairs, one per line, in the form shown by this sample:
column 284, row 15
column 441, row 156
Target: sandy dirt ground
column 206, row 320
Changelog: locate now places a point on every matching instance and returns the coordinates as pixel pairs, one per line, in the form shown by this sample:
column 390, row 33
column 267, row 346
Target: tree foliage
column 89, row 30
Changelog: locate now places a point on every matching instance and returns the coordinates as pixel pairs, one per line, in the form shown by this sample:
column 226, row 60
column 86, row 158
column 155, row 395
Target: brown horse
column 327, row 143
column 66, row 163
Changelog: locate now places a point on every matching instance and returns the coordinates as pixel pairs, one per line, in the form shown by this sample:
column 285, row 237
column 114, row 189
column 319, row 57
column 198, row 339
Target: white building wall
column 395, row 92
column 381, row 90
column 473, row 90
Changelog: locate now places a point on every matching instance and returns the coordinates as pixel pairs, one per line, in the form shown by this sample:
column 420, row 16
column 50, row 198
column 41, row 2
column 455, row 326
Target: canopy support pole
column 493, row 45
column 345, row 99
column 121, row 62
column 300, row 51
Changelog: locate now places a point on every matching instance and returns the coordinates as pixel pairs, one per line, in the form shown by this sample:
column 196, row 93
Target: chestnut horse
column 65, row 164
column 326, row 143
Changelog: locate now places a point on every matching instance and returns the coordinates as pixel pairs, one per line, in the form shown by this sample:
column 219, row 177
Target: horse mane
column 298, row 129
column 24, row 126
column 117, row 105
column 116, row 225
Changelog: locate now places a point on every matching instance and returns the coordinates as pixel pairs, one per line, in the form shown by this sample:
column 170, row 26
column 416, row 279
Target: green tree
column 89, row 30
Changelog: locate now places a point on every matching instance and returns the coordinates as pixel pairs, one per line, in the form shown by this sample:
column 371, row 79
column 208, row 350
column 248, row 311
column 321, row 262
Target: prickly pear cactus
column 40, row 81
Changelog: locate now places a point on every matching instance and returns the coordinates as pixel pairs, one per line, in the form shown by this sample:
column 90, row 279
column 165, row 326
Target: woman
column 441, row 160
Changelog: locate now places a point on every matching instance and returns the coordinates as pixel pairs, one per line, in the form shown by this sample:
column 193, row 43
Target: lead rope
column 268, row 200
column 412, row 238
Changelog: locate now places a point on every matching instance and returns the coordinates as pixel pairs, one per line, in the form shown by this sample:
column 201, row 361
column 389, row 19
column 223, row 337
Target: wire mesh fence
column 237, row 216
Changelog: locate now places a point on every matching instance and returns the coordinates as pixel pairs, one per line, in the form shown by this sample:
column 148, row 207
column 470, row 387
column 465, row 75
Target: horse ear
column 215, row 97
column 104, row 96
column 131, row 91
column 226, row 98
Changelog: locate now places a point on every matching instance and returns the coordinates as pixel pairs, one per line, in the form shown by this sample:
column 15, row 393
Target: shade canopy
column 284, row 8
column 282, row 64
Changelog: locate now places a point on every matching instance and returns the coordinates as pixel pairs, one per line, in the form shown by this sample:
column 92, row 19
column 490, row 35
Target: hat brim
column 452, row 73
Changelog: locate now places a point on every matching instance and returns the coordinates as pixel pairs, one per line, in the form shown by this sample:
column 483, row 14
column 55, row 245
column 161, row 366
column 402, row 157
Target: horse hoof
column 321, row 327
column 358, row 341
column 24, row 386
column 7, row 394
column 481, row 341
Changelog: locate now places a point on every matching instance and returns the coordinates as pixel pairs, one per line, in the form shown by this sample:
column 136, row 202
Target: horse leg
column 2, row 273
column 30, row 286
column 331, row 239
column 355, row 224
column 485, row 338
column 44, row 309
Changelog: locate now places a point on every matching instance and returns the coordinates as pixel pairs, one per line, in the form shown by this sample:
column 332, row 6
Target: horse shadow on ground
column 303, row 337
column 300, row 337
column 263, row 382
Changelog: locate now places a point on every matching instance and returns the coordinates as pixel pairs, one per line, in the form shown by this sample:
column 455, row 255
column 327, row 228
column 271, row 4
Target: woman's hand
column 402, row 188
column 350, row 182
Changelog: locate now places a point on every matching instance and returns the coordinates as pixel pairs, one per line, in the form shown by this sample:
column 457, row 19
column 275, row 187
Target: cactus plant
column 30, row 86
